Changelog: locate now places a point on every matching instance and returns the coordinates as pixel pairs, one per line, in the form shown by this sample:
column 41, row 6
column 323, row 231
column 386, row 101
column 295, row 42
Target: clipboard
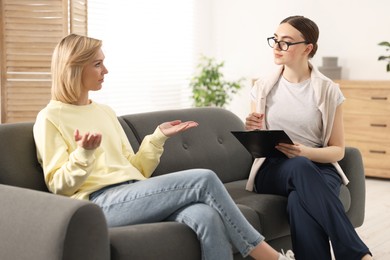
column 261, row 143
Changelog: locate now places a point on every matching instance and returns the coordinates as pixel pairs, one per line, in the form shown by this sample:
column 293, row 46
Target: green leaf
column 387, row 44
column 209, row 88
column 384, row 58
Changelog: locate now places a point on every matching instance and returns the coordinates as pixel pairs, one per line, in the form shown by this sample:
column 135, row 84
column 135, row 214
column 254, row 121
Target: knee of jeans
column 198, row 213
column 207, row 215
column 207, row 174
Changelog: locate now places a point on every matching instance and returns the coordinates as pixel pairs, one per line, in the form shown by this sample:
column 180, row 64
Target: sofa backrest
column 210, row 145
column 18, row 161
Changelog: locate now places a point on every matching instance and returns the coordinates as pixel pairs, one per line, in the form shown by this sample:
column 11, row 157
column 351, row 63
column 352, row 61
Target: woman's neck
column 82, row 101
column 297, row 73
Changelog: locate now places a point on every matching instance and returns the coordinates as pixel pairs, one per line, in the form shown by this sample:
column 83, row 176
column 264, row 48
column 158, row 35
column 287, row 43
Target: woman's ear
column 309, row 48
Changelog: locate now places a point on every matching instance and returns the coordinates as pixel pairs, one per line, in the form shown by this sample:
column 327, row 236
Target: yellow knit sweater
column 75, row 172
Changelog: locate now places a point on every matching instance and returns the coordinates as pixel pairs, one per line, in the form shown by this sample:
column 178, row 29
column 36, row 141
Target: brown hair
column 70, row 56
column 307, row 28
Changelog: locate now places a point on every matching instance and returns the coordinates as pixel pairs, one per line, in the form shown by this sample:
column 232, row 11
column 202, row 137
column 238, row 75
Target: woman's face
column 93, row 73
column 294, row 53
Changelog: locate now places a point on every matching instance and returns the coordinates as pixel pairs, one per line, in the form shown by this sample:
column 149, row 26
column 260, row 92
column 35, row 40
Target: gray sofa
column 35, row 224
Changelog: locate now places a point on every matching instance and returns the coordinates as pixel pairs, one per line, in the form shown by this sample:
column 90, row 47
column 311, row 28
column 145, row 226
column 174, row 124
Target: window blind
column 29, row 32
column 149, row 49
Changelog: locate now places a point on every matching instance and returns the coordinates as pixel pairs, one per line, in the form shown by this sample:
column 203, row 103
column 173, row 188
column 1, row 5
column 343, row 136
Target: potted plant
column 209, row 88
column 385, row 58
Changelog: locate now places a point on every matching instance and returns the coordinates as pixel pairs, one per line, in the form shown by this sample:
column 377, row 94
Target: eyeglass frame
column 287, row 43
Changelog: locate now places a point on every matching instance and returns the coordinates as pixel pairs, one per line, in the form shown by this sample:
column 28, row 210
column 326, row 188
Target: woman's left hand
column 171, row 128
column 292, row 150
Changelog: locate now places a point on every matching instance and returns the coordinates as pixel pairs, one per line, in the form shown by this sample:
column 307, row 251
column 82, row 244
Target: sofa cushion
column 154, row 241
column 130, row 133
column 210, row 145
column 352, row 164
column 345, row 197
column 271, row 209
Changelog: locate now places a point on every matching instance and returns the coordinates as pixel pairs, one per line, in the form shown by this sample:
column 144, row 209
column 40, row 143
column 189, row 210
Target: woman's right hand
column 254, row 121
column 88, row 141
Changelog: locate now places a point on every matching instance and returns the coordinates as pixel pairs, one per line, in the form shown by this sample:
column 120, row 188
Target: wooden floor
column 375, row 231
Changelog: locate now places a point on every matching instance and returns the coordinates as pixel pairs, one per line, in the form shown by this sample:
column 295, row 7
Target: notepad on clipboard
column 261, row 143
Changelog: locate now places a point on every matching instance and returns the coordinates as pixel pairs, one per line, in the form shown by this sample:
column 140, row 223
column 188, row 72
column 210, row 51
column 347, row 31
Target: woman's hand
column 88, row 141
column 254, row 121
column 171, row 128
column 292, row 150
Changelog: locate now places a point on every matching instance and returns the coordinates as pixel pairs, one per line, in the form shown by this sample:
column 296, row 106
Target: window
column 149, row 49
column 29, row 32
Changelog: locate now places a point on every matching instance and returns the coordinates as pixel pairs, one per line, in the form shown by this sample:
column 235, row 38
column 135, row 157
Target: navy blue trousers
column 315, row 211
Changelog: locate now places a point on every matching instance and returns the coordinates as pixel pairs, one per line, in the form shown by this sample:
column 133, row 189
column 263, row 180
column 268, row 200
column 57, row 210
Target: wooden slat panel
column 26, row 64
column 35, row 27
column 26, row 21
column 30, row 29
column 31, row 39
column 29, row 2
column 33, row 104
column 78, row 16
column 33, row 57
column 15, row 85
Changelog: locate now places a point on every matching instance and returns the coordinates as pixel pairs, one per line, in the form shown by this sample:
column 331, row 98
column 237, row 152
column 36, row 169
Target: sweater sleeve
column 65, row 168
column 148, row 156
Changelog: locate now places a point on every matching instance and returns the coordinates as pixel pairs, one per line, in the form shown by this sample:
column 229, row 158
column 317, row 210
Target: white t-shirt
column 292, row 107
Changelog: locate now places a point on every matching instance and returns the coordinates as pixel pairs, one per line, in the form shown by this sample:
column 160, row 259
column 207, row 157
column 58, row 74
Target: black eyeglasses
column 282, row 44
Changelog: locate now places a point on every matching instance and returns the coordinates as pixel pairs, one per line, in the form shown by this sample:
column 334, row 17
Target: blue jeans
column 195, row 197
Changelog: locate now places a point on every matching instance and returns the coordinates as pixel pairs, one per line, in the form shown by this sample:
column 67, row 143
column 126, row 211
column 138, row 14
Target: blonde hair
column 70, row 56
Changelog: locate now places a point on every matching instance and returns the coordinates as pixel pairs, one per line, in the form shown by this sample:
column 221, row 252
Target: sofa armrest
column 40, row 225
column 352, row 165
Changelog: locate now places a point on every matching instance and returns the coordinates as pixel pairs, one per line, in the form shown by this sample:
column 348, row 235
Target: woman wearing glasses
column 308, row 106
